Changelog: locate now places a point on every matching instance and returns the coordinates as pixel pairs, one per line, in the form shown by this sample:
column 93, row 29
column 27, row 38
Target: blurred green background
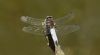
column 13, row 41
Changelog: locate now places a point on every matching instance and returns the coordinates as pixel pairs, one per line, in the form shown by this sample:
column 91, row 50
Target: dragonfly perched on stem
column 35, row 25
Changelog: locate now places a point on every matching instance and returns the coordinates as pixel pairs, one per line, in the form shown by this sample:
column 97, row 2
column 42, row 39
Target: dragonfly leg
column 47, row 40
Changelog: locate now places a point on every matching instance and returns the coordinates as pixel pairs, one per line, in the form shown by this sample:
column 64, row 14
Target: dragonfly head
column 49, row 17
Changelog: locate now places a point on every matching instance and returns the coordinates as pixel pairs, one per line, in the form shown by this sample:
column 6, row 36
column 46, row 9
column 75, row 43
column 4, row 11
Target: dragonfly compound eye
column 49, row 17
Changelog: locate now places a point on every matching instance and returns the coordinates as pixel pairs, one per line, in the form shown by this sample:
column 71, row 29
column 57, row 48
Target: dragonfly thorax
column 49, row 21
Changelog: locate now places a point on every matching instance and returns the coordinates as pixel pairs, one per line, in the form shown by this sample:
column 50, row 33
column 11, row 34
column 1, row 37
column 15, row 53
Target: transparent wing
column 62, row 24
column 64, row 30
column 63, row 20
column 31, row 21
column 33, row 29
column 34, row 25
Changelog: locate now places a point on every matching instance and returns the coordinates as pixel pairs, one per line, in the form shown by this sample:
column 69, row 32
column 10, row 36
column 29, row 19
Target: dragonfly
column 36, row 27
column 49, row 27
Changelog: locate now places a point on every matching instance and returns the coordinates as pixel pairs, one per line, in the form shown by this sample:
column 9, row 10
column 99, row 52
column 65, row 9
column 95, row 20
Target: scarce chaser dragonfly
column 49, row 26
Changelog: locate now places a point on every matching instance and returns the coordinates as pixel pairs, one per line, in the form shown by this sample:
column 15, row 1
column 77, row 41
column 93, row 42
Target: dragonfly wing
column 33, row 29
column 64, row 30
column 63, row 20
column 31, row 21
